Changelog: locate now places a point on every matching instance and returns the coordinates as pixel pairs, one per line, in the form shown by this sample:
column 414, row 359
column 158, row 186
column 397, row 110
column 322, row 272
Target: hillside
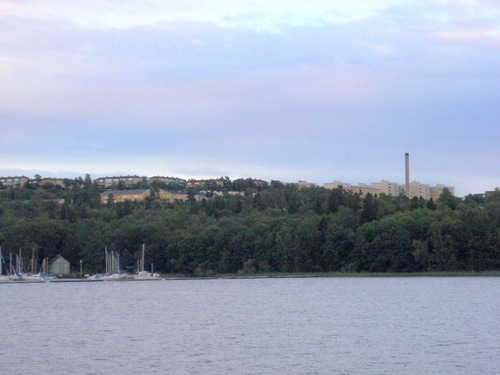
column 267, row 229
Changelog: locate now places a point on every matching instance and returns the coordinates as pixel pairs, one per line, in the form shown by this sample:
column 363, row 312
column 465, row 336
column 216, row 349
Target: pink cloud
column 485, row 37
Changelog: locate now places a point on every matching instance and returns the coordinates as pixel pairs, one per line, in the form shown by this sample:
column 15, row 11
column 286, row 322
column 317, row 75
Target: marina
column 113, row 270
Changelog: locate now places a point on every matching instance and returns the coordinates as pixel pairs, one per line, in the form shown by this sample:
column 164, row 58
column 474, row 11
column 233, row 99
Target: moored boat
column 113, row 270
column 144, row 275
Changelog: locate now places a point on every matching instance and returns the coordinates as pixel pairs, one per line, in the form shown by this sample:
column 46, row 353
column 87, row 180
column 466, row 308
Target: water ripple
column 257, row 326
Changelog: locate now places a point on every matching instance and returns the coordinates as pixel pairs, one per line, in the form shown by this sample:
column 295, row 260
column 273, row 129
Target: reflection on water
column 253, row 326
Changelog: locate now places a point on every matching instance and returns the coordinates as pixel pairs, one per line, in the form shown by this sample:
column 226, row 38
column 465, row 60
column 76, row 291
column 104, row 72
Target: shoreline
column 277, row 276
column 494, row 273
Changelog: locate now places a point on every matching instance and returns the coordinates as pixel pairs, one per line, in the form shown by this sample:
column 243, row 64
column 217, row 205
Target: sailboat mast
column 142, row 259
column 33, row 270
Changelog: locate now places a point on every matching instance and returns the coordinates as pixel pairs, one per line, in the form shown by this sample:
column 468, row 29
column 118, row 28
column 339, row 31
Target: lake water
column 253, row 326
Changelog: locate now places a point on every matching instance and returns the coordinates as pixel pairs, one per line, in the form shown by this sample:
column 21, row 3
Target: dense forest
column 274, row 228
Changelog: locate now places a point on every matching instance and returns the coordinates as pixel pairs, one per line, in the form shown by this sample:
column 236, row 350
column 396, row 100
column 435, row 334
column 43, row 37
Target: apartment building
column 418, row 190
column 363, row 189
column 15, row 181
column 168, row 180
column 181, row 196
column 52, row 181
column 388, row 188
column 200, row 183
column 173, row 196
column 123, row 195
column 306, row 185
column 336, row 184
column 437, row 190
column 393, row 189
column 107, row 182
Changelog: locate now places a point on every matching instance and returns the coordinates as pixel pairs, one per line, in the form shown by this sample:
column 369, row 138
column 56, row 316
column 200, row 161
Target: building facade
column 336, row 184
column 205, row 183
column 388, row 188
column 15, row 181
column 173, row 196
column 168, row 180
column 393, row 189
column 178, row 196
column 306, row 185
column 107, row 182
column 363, row 189
column 52, row 181
column 59, row 266
column 418, row 190
column 124, row 195
column 437, row 190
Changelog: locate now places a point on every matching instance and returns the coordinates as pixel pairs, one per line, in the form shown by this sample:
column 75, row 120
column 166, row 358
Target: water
column 253, row 326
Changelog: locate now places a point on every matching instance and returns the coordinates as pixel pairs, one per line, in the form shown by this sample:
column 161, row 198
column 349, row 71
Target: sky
column 278, row 90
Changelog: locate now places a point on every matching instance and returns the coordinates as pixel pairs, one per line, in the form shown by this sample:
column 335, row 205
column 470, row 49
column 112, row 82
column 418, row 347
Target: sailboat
column 11, row 272
column 41, row 276
column 36, row 277
column 113, row 271
column 16, row 273
column 144, row 275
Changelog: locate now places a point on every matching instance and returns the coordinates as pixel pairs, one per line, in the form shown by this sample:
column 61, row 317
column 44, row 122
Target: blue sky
column 310, row 90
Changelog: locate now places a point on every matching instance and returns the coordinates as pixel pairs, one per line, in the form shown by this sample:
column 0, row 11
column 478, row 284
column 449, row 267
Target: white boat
column 144, row 275
column 107, row 276
column 13, row 273
column 34, row 277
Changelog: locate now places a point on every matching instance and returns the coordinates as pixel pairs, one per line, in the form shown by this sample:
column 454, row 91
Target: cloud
column 112, row 77
column 489, row 38
column 255, row 14
column 303, row 90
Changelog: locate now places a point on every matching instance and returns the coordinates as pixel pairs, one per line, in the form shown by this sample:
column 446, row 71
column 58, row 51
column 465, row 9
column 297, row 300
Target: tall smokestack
column 407, row 170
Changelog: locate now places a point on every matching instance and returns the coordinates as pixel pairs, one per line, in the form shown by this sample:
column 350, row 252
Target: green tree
column 336, row 199
column 370, row 210
column 448, row 199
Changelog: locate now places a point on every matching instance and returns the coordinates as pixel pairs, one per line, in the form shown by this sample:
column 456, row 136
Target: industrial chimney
column 407, row 170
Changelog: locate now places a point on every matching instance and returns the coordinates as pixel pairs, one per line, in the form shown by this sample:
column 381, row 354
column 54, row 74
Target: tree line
column 272, row 228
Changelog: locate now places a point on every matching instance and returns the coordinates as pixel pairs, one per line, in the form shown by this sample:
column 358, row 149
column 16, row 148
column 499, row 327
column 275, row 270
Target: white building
column 437, row 190
column 336, row 184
